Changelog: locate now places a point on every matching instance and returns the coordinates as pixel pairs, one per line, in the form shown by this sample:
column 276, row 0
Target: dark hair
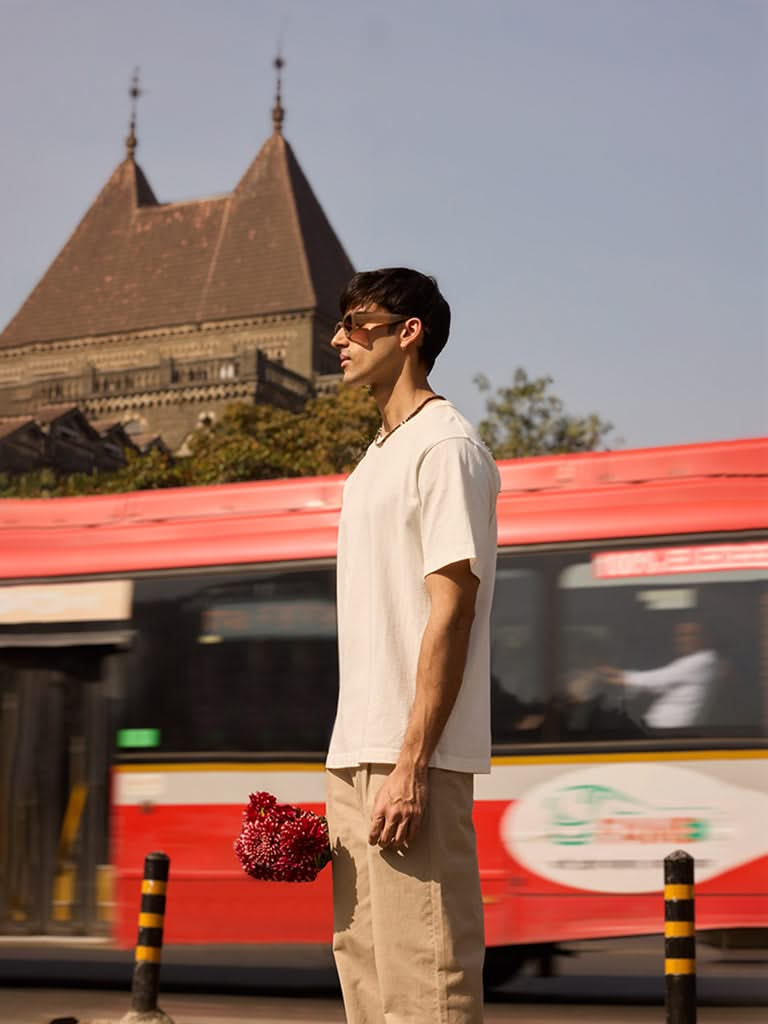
column 401, row 290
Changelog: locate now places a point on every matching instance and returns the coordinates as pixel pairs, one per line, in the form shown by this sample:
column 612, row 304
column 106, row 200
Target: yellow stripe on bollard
column 151, row 954
column 679, row 966
column 151, row 920
column 153, row 887
column 678, row 929
column 678, row 892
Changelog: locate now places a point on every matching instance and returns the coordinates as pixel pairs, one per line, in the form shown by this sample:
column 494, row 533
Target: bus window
column 240, row 663
column 518, row 701
column 655, row 656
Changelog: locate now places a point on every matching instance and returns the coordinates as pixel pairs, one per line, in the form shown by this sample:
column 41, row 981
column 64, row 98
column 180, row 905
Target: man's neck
column 400, row 400
column 397, row 399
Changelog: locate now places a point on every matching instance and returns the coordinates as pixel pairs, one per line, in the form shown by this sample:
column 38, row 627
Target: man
column 416, row 567
column 679, row 689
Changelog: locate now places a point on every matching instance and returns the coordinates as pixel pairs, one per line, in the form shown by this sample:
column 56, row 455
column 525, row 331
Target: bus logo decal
column 608, row 827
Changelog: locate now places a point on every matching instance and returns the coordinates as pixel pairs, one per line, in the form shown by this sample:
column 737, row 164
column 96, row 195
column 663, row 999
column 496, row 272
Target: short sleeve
column 458, row 485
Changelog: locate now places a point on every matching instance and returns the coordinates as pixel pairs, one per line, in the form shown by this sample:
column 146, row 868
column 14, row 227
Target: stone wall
column 171, row 380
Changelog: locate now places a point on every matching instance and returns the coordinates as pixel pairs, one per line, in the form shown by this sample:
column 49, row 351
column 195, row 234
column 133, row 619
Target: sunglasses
column 362, row 321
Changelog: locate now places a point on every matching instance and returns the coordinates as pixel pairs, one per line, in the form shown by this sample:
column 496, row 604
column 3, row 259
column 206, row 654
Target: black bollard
column 149, row 945
column 679, row 938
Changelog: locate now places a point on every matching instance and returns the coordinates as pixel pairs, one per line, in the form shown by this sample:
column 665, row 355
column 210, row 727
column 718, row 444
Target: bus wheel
column 502, row 964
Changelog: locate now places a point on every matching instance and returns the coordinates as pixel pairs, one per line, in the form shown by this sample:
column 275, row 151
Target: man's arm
column 691, row 668
column 402, row 799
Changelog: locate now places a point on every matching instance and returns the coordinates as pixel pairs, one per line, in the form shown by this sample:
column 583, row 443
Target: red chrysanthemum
column 281, row 843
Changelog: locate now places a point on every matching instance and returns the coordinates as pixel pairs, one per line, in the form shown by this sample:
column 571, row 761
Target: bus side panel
column 210, row 899
column 523, row 905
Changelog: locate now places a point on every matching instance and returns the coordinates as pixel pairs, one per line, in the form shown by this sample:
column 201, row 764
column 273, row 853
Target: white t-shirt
column 422, row 500
column 682, row 685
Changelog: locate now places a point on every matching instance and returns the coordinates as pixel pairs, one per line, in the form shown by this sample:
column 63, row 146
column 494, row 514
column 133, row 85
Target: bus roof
column 700, row 488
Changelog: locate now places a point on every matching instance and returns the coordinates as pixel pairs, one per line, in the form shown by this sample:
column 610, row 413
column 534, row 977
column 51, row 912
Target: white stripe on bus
column 220, row 783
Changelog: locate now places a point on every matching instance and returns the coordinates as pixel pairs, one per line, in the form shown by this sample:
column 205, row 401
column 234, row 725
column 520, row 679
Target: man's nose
column 339, row 340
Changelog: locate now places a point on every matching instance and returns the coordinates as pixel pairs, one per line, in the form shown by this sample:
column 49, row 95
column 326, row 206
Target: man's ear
column 411, row 333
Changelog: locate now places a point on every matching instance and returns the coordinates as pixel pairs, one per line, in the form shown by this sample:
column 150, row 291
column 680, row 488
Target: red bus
column 164, row 654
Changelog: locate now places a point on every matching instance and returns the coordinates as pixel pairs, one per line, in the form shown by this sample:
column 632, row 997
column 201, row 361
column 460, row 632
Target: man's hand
column 399, row 808
column 580, row 686
column 611, row 675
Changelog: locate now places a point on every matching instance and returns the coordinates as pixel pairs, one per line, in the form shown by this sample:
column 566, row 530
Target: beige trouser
column 408, row 928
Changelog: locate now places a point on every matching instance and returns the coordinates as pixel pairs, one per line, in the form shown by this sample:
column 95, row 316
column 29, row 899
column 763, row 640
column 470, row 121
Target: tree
column 260, row 442
column 249, row 442
column 526, row 419
column 141, row 472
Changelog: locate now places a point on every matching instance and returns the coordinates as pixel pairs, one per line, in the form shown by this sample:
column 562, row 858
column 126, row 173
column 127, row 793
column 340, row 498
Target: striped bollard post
column 149, row 945
column 679, row 938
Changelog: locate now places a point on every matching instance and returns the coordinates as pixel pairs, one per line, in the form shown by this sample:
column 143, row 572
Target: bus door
column 53, row 790
column 59, row 680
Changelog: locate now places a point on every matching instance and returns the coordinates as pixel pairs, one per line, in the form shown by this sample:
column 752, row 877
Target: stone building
column 155, row 316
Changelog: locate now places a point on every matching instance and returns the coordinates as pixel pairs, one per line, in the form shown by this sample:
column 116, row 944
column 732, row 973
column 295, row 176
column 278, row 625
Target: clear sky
column 587, row 179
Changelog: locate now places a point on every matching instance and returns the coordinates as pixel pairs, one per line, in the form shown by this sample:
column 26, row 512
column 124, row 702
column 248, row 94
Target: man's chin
column 349, row 376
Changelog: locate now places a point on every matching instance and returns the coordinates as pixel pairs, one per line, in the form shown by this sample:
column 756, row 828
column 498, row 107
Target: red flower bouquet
column 281, row 843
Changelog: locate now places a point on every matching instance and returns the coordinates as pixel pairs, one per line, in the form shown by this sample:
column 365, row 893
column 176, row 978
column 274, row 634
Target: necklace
column 381, row 437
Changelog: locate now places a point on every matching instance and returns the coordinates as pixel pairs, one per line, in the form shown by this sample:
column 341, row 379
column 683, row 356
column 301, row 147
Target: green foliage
column 141, row 472
column 526, row 419
column 40, row 484
column 261, row 442
column 249, row 442
column 148, row 472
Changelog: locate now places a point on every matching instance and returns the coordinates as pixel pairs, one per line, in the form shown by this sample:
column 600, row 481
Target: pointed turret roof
column 134, row 263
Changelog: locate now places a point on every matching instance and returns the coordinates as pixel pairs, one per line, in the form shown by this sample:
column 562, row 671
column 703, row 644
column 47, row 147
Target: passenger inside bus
column 674, row 695
column 590, row 709
column 680, row 690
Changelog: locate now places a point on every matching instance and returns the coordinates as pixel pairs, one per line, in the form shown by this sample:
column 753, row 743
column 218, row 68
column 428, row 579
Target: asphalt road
column 613, row 982
column 40, row 1006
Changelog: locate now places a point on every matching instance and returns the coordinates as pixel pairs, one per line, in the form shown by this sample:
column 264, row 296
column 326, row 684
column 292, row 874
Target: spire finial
column 134, row 92
column 277, row 111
